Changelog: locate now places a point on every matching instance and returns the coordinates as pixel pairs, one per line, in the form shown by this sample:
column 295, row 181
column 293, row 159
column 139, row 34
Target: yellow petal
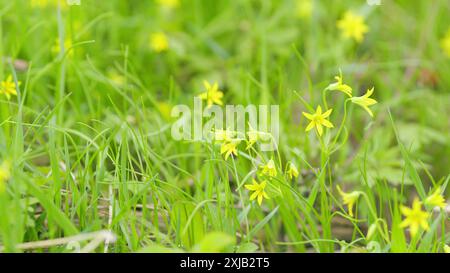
column 326, row 123
column 207, row 85
column 308, row 116
column 319, row 110
column 253, row 196
column 319, row 129
column 327, row 113
column 310, row 126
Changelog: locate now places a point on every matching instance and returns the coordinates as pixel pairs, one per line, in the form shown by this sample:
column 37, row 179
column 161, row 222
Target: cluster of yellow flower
column 8, row 87
column 319, row 119
column 230, row 141
column 269, row 171
column 415, row 217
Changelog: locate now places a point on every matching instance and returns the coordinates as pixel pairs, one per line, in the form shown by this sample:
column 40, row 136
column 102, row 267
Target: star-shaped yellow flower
column 353, row 26
column 258, row 191
column 269, row 169
column 340, row 86
column 364, row 101
column 212, row 95
column 292, row 171
column 159, row 42
column 436, row 199
column 8, row 87
column 229, row 147
column 445, row 43
column 318, row 120
column 415, row 217
column 349, row 199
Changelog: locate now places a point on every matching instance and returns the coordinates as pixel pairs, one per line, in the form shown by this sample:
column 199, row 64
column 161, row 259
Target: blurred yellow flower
column 258, row 191
column 318, row 120
column 159, row 42
column 56, row 48
column 364, row 101
column 304, row 8
column 445, row 43
column 353, row 26
column 170, row 4
column 349, row 199
column 269, row 169
column 212, row 95
column 229, row 147
column 5, row 174
column 340, row 86
column 446, row 249
column 292, row 171
column 436, row 199
column 165, row 109
column 415, row 217
column 116, row 77
column 8, row 87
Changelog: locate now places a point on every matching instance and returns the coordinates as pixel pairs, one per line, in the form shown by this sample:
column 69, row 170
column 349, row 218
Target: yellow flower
column 292, row 171
column 340, row 86
column 170, row 4
column 159, row 42
column 269, row 169
column 353, row 26
column 229, row 147
column 446, row 249
column 253, row 136
column 349, row 199
column 258, row 191
column 436, row 199
column 212, row 94
column 414, row 217
column 116, row 77
column 445, row 43
column 56, row 48
column 364, row 101
column 8, row 87
column 318, row 119
column 223, row 135
column 5, row 174
column 304, row 8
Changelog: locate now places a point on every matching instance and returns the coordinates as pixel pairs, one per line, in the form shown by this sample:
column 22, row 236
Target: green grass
column 95, row 168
